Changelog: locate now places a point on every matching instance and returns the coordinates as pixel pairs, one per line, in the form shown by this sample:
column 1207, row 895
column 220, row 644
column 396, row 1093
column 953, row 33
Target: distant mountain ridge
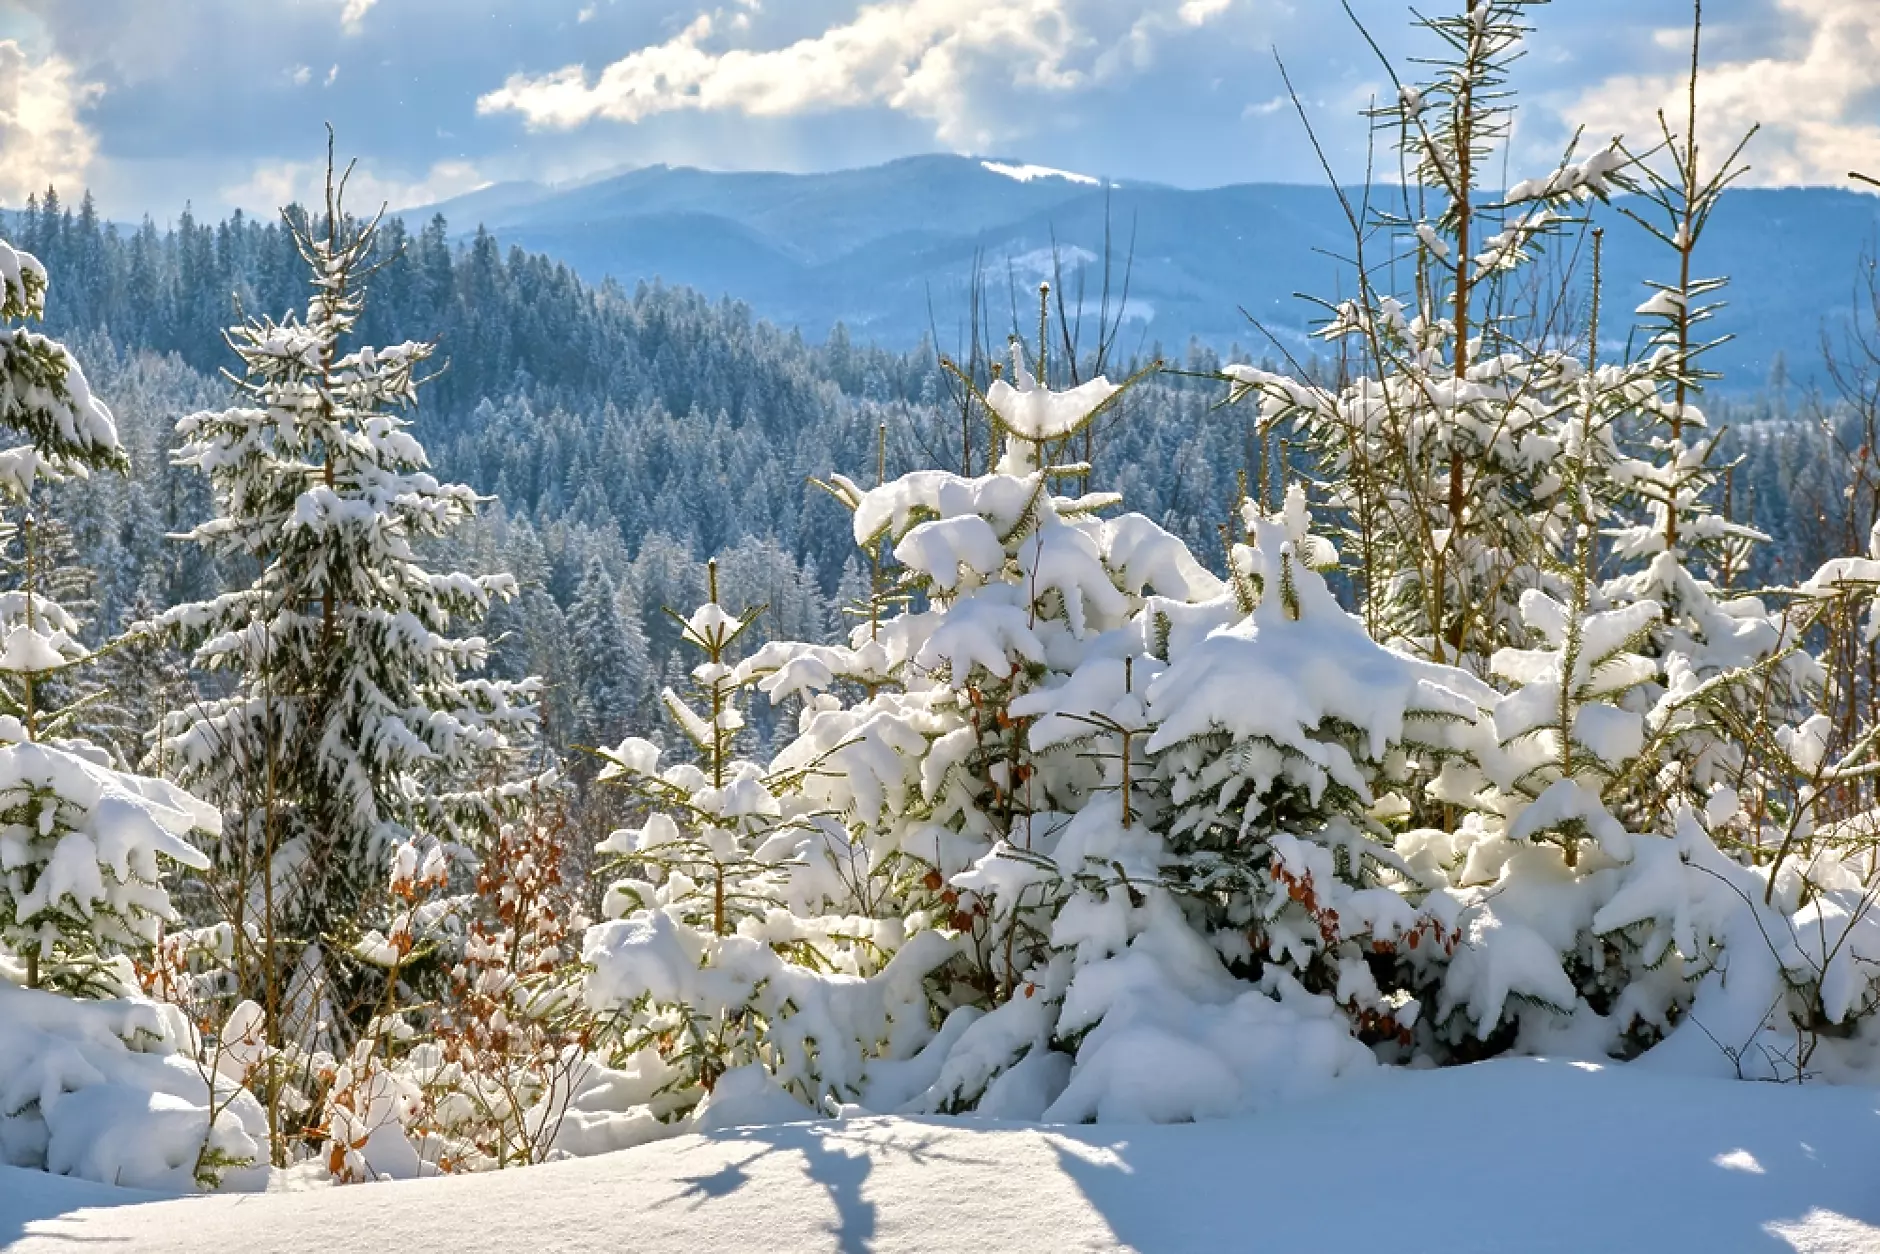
column 891, row 250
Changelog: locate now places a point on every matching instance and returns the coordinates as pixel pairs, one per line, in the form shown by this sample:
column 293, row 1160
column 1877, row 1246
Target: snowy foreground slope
column 1504, row 1156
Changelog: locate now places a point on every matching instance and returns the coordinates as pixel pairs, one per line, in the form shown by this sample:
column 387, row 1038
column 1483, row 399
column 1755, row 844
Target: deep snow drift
column 1509, row 1156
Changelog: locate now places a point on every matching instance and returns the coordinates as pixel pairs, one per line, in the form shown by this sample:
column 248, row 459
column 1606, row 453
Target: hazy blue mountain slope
column 813, row 217
column 716, row 255
column 892, row 250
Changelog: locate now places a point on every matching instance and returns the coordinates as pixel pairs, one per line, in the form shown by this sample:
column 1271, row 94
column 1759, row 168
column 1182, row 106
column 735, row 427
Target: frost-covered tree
column 39, row 616
column 1635, row 824
column 1441, row 450
column 44, row 397
column 142, row 678
column 705, row 871
column 83, row 847
column 1063, row 802
column 1733, row 655
column 610, row 661
column 349, row 715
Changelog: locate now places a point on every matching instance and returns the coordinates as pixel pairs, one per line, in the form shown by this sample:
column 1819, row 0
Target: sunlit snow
column 1665, row 1157
column 1027, row 173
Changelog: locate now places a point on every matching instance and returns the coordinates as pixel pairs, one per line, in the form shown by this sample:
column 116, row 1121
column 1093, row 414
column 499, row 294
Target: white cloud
column 276, row 184
column 1200, row 12
column 923, row 58
column 1814, row 101
column 353, row 14
column 300, row 75
column 42, row 139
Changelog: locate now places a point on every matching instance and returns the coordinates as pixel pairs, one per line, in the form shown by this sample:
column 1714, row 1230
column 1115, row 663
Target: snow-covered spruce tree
column 43, row 646
column 1655, row 725
column 349, row 717
column 83, row 847
column 1440, row 451
column 1670, row 541
column 145, row 677
column 1555, row 878
column 1283, row 805
column 715, row 959
column 1095, row 832
column 1467, row 460
column 918, row 735
column 610, row 661
column 1629, row 836
column 796, row 903
column 89, row 696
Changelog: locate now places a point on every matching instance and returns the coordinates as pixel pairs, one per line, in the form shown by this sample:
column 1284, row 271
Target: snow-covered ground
column 1499, row 1158
column 1026, row 173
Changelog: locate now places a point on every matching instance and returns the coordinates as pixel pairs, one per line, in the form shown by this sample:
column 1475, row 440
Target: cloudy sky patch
column 223, row 103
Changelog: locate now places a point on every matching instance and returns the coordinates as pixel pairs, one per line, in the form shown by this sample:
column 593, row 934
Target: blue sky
column 222, row 102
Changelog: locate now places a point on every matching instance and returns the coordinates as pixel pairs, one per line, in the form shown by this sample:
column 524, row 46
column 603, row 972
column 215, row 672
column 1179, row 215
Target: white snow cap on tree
column 110, row 1091
column 82, row 849
column 44, row 395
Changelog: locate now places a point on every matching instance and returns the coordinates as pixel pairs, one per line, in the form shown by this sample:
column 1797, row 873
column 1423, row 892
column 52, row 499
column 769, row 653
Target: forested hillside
column 628, row 436
column 885, row 248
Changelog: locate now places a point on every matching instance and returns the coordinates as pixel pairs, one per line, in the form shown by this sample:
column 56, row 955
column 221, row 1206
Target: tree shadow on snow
column 838, row 1157
column 40, row 1205
column 1508, row 1157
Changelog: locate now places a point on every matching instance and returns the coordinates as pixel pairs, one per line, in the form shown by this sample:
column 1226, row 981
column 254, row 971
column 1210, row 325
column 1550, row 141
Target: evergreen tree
column 47, row 592
column 610, row 661
column 352, row 719
column 145, row 679
column 82, row 846
column 1441, row 452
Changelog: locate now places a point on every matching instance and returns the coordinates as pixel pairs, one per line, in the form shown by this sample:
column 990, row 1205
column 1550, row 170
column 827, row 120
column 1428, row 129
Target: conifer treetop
column 44, row 396
column 354, row 671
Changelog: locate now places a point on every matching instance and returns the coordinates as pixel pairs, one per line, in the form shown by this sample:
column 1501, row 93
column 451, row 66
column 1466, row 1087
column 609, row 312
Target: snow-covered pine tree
column 39, row 616
column 1656, row 704
column 610, row 661
column 144, row 678
column 1594, row 840
column 1439, row 454
column 908, row 770
column 712, row 851
column 44, row 396
column 83, row 847
column 1550, row 797
column 1769, row 747
column 701, row 901
column 1284, row 809
column 77, row 699
column 1471, row 461
column 1734, row 660
column 350, row 717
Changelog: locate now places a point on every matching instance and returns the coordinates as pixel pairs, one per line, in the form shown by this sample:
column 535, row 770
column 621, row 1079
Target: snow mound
column 99, row 1090
column 1675, row 1164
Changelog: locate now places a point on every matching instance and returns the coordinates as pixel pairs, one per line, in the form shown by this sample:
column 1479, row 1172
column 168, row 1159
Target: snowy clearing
column 1538, row 1155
